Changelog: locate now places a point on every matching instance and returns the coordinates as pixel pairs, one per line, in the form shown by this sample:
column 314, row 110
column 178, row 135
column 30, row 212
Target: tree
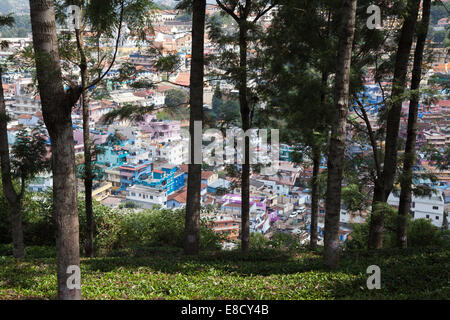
column 14, row 198
column 385, row 181
column 338, row 134
column 175, row 98
column 300, row 61
column 103, row 19
column 245, row 14
column 192, row 223
column 410, row 148
column 57, row 104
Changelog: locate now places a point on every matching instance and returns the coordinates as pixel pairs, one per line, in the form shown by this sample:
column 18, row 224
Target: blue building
column 134, row 173
column 169, row 178
column 113, row 156
column 286, row 152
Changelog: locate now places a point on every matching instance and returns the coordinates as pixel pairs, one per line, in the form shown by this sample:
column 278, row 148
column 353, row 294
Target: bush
column 421, row 232
column 37, row 222
column 359, row 237
column 30, row 251
column 162, row 228
column 285, row 240
column 113, row 228
column 258, row 241
column 107, row 226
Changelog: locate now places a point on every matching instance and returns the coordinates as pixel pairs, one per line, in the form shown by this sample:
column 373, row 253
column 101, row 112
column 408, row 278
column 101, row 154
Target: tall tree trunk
column 338, row 135
column 14, row 199
column 314, row 199
column 410, row 148
column 16, row 227
column 56, row 108
column 245, row 118
column 384, row 187
column 88, row 175
column 192, row 224
column 316, row 157
column 88, row 178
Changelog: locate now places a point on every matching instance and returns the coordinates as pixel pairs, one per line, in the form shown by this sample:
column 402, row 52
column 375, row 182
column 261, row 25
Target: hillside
column 17, row 7
column 167, row 274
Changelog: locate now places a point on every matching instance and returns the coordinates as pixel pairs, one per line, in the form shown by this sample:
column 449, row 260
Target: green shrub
column 161, row 227
column 358, row 239
column 422, row 233
column 258, row 241
column 114, row 229
column 37, row 222
column 30, row 251
column 286, row 241
column 107, row 226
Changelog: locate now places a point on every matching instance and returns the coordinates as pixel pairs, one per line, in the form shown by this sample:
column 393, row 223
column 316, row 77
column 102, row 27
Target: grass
column 165, row 273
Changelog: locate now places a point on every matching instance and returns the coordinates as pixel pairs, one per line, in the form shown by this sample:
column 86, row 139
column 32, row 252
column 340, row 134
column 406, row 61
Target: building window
column 428, row 216
column 435, row 208
column 437, row 217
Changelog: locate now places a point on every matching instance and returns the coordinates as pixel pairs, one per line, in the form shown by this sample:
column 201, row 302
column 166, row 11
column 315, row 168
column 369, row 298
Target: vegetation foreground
column 165, row 273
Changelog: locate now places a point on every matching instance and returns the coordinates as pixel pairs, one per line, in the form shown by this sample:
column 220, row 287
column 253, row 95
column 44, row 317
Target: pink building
column 259, row 202
column 161, row 131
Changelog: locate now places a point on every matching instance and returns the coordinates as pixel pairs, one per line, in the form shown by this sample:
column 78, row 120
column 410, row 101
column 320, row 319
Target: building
column 427, row 207
column 177, row 199
column 26, row 105
column 146, row 197
column 168, row 178
column 174, row 152
column 134, row 173
column 113, row 156
column 227, row 226
column 286, row 152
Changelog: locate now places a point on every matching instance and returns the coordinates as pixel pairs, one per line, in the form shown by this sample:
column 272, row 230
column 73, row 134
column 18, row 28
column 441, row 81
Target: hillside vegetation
column 165, row 273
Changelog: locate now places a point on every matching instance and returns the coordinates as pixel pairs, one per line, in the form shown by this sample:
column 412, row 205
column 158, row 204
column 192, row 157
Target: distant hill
column 17, row 7
column 166, row 3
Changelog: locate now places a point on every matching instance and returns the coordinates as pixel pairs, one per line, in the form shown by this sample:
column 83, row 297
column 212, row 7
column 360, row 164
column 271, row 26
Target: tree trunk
column 384, row 187
column 245, row 117
column 316, row 157
column 192, row 223
column 16, row 227
column 410, row 148
column 14, row 199
column 88, row 176
column 56, row 108
column 338, row 135
column 314, row 200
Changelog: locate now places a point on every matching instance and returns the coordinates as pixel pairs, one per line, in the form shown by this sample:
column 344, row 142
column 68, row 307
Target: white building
column 351, row 217
column 41, row 182
column 427, row 207
column 25, row 105
column 146, row 197
column 175, row 153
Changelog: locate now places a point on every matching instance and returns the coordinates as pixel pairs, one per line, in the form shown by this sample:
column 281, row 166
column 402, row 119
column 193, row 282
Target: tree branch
column 96, row 81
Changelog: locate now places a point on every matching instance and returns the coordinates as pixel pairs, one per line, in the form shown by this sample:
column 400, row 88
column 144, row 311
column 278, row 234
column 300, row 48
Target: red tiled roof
column 183, row 79
column 179, row 196
column 207, row 174
column 444, row 103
